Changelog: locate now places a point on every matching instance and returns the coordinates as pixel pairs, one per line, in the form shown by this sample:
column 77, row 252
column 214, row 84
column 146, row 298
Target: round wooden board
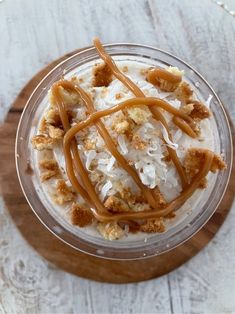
column 67, row 258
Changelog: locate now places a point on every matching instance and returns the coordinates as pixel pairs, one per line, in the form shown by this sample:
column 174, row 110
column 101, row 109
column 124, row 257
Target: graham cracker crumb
column 184, row 92
column 120, row 125
column 55, row 133
column 194, row 160
column 41, row 142
column 118, row 96
column 52, row 117
column 80, row 216
column 64, row 193
column 116, row 205
column 70, row 98
column 199, row 111
column 139, row 115
column 89, row 144
column 110, row 231
column 138, row 143
column 102, row 75
column 49, row 164
column 43, row 126
column 153, row 226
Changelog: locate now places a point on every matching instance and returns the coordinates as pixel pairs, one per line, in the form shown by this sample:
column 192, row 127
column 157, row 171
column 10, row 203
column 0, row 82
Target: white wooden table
column 32, row 34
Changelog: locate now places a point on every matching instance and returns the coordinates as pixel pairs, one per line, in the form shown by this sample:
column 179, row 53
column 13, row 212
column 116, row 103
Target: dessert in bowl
column 126, row 151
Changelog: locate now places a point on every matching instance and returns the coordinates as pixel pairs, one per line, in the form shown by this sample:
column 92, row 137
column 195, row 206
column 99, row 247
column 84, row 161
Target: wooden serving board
column 67, row 258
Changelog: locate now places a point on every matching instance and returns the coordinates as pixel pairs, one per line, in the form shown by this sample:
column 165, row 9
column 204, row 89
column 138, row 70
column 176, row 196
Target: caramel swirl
column 138, row 93
column 155, row 105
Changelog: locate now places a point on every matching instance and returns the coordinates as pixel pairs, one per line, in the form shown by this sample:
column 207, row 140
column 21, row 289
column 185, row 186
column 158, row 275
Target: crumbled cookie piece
column 63, row 193
column 184, row 92
column 43, row 127
column 80, row 216
column 56, row 133
column 118, row 96
column 41, row 142
column 70, row 98
column 116, row 204
column 110, row 231
column 194, row 160
column 120, row 125
column 48, row 175
column 187, row 108
column 102, row 75
column 49, row 164
column 138, row 143
column 166, row 79
column 139, row 115
column 89, row 144
column 161, row 202
column 153, row 226
column 199, row 111
column 52, row 117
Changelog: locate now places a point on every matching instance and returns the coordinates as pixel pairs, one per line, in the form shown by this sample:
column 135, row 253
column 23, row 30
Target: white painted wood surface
column 32, row 34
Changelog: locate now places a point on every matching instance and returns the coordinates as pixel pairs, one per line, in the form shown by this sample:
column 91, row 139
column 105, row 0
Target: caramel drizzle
column 155, row 112
column 73, row 160
column 148, row 101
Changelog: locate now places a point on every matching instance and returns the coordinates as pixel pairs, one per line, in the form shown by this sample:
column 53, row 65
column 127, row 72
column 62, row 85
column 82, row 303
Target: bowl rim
column 91, row 49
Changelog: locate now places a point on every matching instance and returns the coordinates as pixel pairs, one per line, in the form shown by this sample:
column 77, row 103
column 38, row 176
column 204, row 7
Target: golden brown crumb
column 110, row 231
column 138, row 143
column 64, row 193
column 187, row 109
column 118, row 96
column 48, row 175
column 194, row 160
column 89, row 144
column 125, row 69
column 43, row 126
column 80, row 216
column 199, row 111
column 55, row 133
column 161, row 202
column 116, row 205
column 153, row 226
column 41, row 142
column 49, row 164
column 102, row 75
column 70, row 98
column 184, row 92
column 52, row 117
column 120, row 125
column 139, row 115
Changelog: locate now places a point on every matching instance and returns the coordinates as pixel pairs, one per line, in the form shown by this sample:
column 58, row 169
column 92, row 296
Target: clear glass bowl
column 156, row 244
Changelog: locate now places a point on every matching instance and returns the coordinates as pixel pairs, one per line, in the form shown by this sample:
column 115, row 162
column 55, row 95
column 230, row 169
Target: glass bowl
column 131, row 248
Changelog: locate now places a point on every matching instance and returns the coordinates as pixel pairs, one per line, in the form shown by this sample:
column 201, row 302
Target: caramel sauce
column 73, row 161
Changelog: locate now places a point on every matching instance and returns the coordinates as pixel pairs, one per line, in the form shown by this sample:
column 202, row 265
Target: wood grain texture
column 64, row 256
column 33, row 34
